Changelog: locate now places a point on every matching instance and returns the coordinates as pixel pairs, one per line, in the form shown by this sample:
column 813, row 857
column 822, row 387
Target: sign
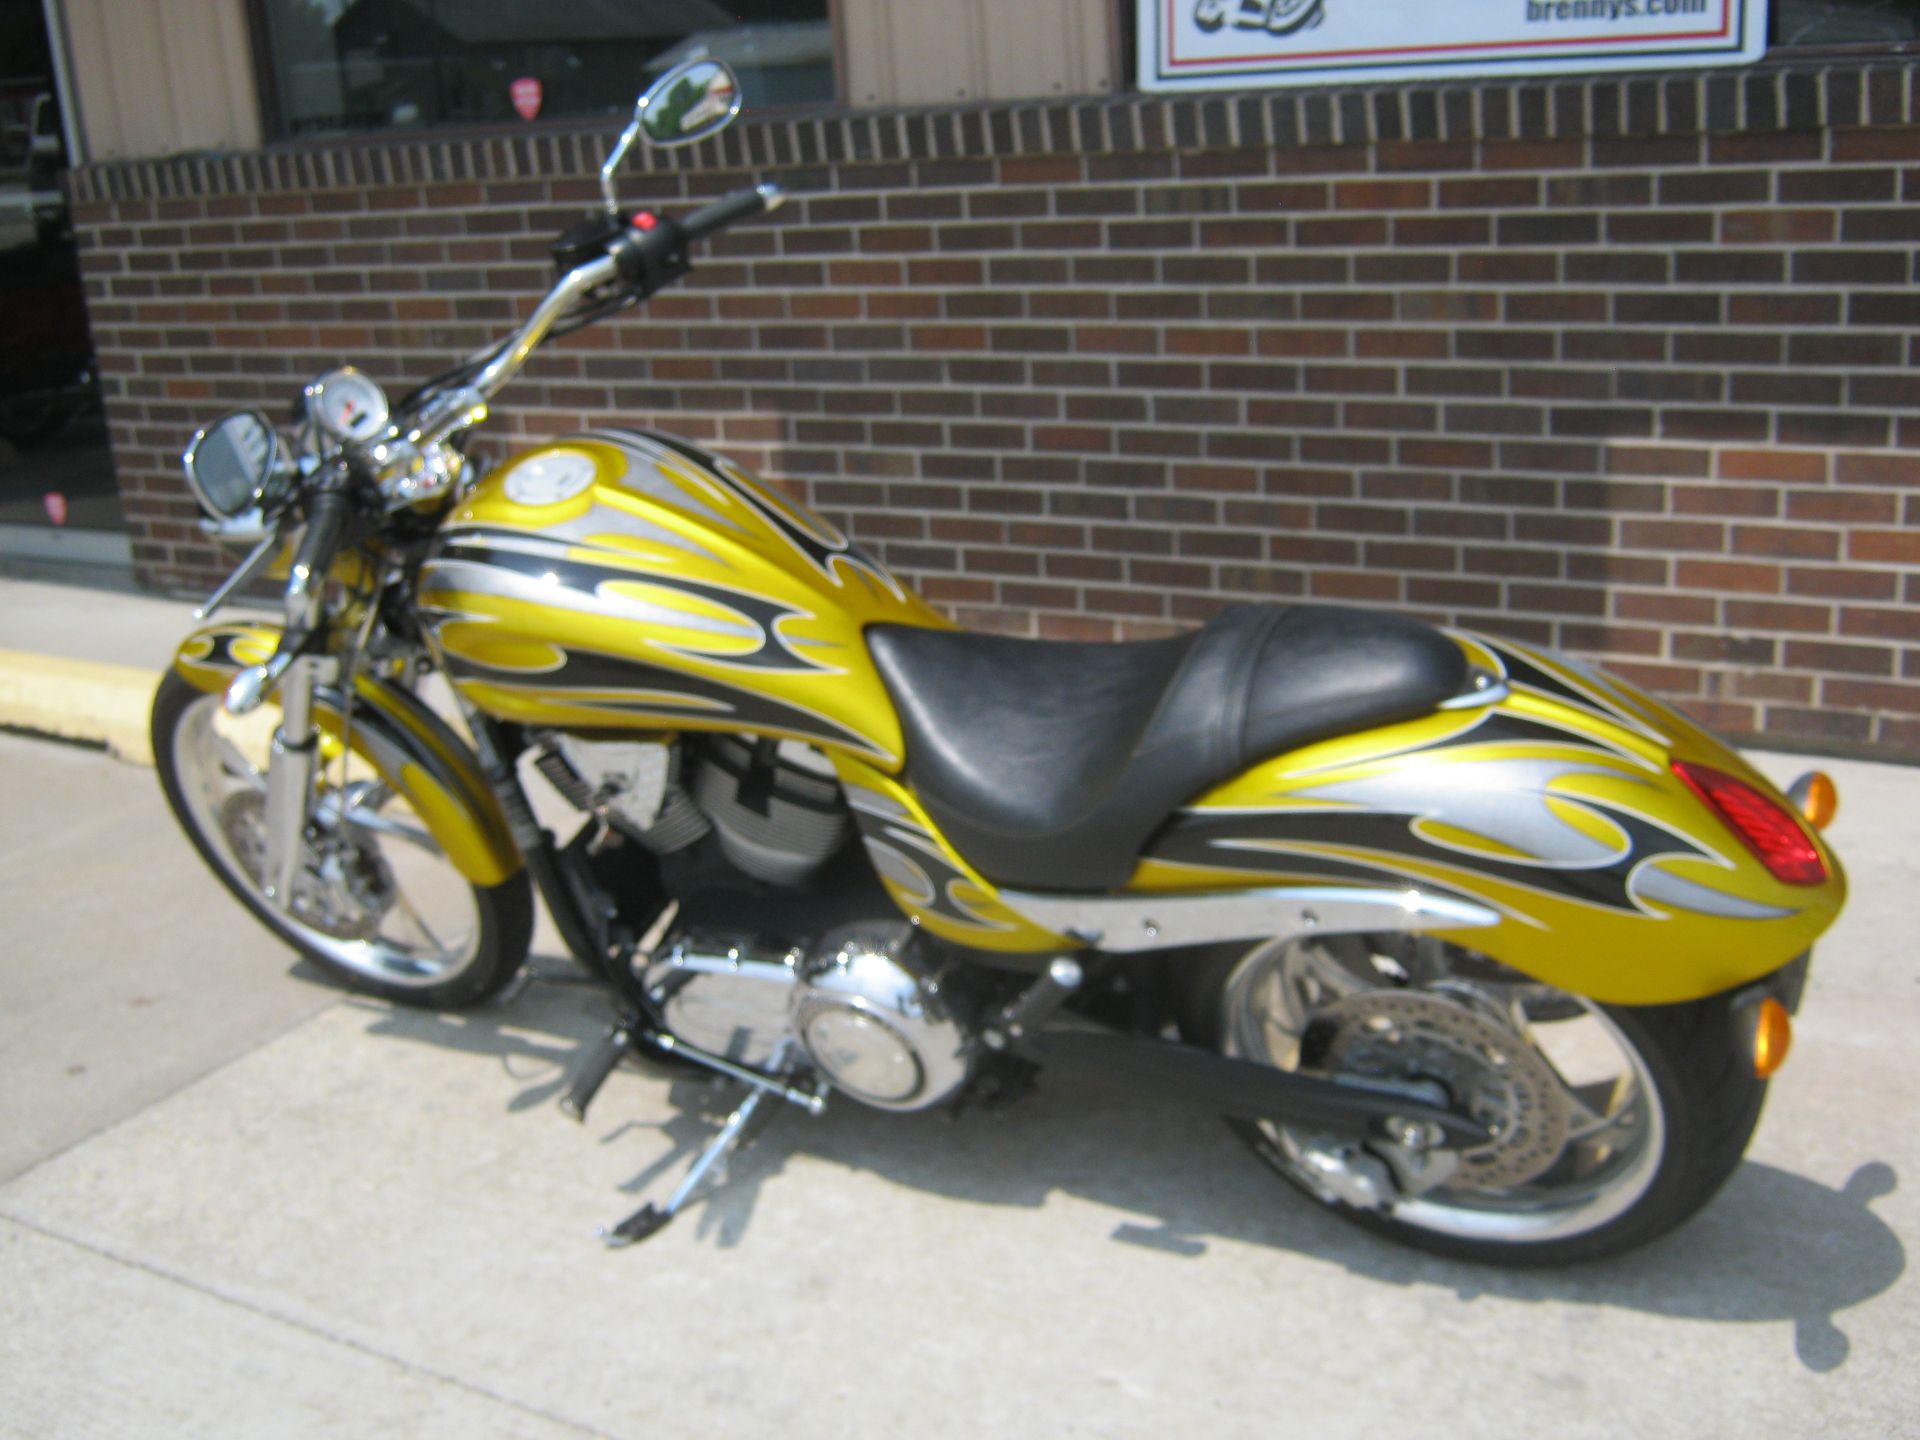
column 1242, row 44
column 527, row 94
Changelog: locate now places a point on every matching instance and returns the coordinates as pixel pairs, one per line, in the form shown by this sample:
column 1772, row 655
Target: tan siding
column 946, row 51
column 1059, row 47
column 160, row 76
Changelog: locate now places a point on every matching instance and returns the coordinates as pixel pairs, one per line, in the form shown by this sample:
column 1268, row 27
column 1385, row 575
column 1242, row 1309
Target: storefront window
column 382, row 64
column 1827, row 24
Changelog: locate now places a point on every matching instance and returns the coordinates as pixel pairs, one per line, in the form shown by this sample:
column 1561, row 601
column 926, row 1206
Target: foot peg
column 650, row 1219
column 645, row 1221
column 590, row 1072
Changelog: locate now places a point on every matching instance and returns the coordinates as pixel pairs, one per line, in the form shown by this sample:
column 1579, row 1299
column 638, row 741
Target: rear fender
column 1550, row 800
column 412, row 750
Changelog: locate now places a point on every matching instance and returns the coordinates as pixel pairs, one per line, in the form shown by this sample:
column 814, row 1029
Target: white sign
column 1240, row 44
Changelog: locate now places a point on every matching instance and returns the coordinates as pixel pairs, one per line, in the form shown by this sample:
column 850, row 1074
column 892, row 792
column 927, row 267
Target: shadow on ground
column 1772, row 1247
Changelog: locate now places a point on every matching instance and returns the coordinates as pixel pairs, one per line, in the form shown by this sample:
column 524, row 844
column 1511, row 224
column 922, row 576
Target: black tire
column 1697, row 1057
column 504, row 913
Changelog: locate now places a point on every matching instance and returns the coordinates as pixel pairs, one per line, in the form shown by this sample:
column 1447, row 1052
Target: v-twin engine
column 858, row 1002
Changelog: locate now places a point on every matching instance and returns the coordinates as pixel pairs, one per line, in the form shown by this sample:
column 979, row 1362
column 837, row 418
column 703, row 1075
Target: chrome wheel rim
column 1579, row 1125
column 375, row 894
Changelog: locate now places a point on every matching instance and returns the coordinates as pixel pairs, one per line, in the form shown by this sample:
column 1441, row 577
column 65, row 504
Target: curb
column 89, row 701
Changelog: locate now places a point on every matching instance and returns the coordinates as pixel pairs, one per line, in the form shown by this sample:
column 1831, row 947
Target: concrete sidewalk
column 236, row 1202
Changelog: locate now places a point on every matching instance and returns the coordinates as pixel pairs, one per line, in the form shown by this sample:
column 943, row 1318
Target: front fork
column 293, row 767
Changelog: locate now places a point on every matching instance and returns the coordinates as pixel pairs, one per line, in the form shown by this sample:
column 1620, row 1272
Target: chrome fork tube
column 290, row 775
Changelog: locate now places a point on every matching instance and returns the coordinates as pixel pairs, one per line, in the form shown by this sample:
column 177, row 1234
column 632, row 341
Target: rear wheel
column 1611, row 1125
column 375, row 903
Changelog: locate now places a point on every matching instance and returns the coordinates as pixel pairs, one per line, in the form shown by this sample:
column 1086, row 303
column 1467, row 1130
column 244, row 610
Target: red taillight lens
column 1768, row 827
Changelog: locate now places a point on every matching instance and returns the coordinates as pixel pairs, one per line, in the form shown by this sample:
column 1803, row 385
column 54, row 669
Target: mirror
column 690, row 102
column 232, row 463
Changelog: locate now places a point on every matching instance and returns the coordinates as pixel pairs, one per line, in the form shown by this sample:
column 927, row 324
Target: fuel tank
column 625, row 579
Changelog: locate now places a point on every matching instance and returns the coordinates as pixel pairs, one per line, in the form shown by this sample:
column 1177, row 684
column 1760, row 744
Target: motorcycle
column 1489, row 952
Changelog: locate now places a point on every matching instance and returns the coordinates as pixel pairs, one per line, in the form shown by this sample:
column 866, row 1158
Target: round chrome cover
column 862, row 1056
column 878, row 1029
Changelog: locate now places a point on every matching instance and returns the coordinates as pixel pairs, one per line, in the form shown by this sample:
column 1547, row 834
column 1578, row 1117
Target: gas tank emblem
column 551, row 477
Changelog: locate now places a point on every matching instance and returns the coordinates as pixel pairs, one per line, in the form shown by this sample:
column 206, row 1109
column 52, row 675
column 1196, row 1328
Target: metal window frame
column 273, row 117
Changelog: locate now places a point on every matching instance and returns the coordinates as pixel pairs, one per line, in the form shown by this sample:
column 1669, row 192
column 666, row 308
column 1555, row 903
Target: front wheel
column 375, row 903
column 1611, row 1125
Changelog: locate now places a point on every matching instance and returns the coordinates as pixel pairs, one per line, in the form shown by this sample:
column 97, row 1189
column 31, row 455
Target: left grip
column 730, row 210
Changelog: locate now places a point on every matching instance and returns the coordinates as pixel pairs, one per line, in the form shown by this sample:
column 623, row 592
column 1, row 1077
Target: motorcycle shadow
column 1773, row 1246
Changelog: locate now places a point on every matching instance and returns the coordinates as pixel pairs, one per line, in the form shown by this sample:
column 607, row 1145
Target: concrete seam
column 187, row 1084
column 303, row 1326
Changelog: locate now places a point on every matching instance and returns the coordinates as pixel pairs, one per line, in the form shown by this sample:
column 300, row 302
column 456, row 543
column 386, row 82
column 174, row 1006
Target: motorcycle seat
column 1049, row 764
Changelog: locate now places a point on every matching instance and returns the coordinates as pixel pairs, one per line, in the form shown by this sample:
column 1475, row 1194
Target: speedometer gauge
column 347, row 406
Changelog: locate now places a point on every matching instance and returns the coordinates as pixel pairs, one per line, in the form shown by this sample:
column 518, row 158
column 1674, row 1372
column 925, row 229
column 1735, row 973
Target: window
column 381, row 64
column 1853, row 24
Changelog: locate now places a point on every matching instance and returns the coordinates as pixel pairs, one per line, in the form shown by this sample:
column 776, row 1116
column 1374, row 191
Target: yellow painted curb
column 87, row 700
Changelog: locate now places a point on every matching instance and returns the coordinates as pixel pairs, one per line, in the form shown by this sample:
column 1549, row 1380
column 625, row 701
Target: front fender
column 412, row 750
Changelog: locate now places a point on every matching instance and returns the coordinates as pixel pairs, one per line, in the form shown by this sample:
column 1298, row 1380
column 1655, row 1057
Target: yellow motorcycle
column 1486, row 950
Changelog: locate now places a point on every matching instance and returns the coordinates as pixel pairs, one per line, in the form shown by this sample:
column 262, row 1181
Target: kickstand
column 650, row 1219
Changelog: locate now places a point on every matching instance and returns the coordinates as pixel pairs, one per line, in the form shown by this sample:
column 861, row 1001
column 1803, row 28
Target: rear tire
column 211, row 787
column 1688, row 1104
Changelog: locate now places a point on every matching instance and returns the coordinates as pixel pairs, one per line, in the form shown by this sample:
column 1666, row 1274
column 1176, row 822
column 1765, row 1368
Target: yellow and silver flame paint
column 407, row 745
column 627, row 580
column 926, row 876
column 1554, row 805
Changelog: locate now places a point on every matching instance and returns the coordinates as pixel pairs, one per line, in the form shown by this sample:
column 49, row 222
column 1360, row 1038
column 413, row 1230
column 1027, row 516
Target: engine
column 775, row 805
column 860, row 1003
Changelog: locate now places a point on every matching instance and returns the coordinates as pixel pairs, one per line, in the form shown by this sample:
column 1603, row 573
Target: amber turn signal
column 1772, row 1037
column 1816, row 797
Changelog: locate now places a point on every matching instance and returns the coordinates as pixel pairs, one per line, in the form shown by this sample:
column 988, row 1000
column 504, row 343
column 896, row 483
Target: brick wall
column 1622, row 366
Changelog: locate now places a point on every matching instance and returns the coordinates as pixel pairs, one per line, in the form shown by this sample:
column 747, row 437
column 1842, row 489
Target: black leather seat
column 1048, row 764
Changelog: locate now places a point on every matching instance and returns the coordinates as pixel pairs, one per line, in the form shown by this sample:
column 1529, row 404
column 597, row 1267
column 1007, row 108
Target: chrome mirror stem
column 262, row 553
column 619, row 153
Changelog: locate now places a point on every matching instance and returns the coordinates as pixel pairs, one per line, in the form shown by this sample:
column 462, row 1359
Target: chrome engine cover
column 876, row 1025
column 727, row 996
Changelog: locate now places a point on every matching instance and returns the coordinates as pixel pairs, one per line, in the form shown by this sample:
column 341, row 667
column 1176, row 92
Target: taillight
column 1768, row 827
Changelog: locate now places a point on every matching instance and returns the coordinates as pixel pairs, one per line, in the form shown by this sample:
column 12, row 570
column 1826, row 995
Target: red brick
column 1884, row 547
column 1801, row 467
column 1728, row 576
column 1854, row 146
column 1881, row 624
column 1871, row 695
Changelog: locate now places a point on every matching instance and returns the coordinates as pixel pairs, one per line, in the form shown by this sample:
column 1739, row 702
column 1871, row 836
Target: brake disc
column 1492, row 1073
column 343, row 886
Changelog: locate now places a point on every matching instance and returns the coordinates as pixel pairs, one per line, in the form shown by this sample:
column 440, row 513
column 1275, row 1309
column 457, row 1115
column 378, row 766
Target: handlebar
column 731, row 209
column 643, row 256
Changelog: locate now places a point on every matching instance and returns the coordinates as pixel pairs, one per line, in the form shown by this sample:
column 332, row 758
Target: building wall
column 940, row 54
column 1621, row 365
column 159, row 77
